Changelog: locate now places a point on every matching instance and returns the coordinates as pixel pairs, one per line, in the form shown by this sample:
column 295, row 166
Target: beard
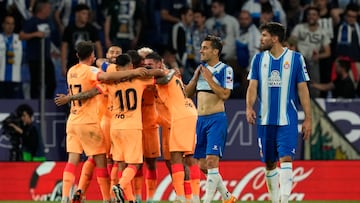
column 265, row 47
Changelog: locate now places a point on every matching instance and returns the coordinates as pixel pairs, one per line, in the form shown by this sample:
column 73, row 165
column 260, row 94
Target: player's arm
column 304, row 96
column 221, row 92
column 251, row 94
column 99, row 62
column 62, row 99
column 190, row 88
column 166, row 78
column 121, row 75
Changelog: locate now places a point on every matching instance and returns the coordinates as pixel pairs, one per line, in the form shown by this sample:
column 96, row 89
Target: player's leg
column 151, row 147
column 268, row 153
column 216, row 125
column 287, row 140
column 94, row 146
column 131, row 141
column 74, row 149
column 194, row 177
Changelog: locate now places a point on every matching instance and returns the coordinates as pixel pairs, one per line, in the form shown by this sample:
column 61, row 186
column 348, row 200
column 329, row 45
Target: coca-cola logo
column 251, row 186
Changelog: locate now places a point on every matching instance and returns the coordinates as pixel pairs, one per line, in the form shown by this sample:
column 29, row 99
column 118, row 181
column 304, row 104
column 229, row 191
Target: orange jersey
column 103, row 100
column 126, row 99
column 80, row 78
column 148, row 108
column 174, row 97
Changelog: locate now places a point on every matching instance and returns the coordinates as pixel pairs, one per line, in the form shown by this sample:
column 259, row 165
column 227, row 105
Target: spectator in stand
column 254, row 7
column 21, row 11
column 326, row 23
column 267, row 13
column 80, row 30
column 123, row 23
column 170, row 15
column 313, row 43
column 294, row 14
column 226, row 27
column 181, row 42
column 36, row 29
column 347, row 34
column 198, row 34
column 342, row 86
column 10, row 61
column 64, row 15
column 247, row 45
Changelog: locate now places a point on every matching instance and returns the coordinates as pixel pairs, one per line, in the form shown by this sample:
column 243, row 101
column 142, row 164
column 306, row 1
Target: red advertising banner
column 313, row 180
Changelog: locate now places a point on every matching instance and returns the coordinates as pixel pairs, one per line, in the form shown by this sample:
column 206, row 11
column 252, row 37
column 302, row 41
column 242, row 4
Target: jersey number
column 78, row 88
column 126, row 98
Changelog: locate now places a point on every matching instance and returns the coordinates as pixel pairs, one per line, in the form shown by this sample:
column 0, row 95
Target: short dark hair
column 155, row 56
column 352, row 7
column 312, row 8
column 135, row 57
column 123, row 59
column 216, row 42
column 275, row 29
column 24, row 108
column 84, row 49
column 81, row 7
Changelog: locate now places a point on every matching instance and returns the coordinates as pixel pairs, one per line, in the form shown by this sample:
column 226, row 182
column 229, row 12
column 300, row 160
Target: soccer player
column 183, row 125
column 212, row 82
column 83, row 121
column 278, row 78
column 126, row 125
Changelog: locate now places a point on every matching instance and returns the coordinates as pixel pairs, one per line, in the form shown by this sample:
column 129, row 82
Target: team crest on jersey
column 274, row 79
column 286, row 65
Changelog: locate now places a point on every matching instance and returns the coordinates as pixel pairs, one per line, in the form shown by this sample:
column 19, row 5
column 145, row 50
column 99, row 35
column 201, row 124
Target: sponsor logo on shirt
column 274, row 79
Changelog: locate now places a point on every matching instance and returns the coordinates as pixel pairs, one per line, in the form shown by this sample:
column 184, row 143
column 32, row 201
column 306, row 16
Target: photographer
column 31, row 141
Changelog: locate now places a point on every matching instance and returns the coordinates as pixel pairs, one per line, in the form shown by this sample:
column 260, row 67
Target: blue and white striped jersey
column 277, row 85
column 223, row 75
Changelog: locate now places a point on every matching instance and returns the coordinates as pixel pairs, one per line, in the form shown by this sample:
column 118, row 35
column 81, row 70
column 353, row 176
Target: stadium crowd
column 324, row 31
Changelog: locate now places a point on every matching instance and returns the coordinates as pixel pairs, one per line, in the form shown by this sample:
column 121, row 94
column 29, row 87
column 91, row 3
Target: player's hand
column 206, row 73
column 306, row 129
column 61, row 99
column 141, row 72
column 250, row 116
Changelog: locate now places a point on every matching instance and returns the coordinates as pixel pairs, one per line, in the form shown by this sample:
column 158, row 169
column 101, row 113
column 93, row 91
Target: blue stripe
column 260, row 79
column 286, row 168
column 272, row 175
column 213, row 173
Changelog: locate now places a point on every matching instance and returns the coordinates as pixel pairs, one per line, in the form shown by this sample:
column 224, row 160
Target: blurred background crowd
column 326, row 32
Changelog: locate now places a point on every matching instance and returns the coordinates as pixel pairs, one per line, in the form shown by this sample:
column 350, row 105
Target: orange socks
column 86, row 175
column 138, row 182
column 195, row 179
column 151, row 183
column 104, row 182
column 68, row 179
column 178, row 175
column 188, row 192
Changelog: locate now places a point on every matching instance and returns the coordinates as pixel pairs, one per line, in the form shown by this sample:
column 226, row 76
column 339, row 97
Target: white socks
column 212, row 180
column 272, row 183
column 286, row 181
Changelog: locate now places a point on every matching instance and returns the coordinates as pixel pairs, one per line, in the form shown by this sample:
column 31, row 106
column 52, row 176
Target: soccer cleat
column 77, row 197
column 119, row 193
column 232, row 199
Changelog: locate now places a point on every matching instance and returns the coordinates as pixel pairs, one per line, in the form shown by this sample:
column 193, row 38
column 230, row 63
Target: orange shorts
column 183, row 135
column 86, row 138
column 151, row 142
column 127, row 145
column 165, row 136
column 105, row 128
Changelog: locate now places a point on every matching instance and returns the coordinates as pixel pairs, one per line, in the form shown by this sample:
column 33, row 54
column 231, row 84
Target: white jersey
column 277, row 89
column 10, row 58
